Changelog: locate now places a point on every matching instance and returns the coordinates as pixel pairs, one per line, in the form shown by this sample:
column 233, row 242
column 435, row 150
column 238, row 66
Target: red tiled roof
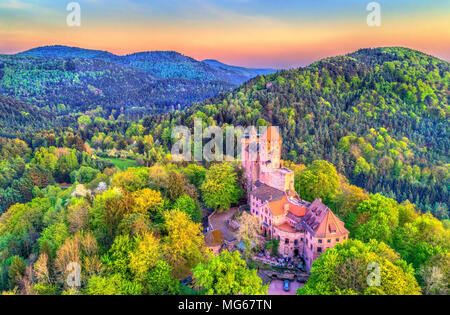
column 277, row 207
column 297, row 210
column 286, row 227
column 284, row 205
column 323, row 223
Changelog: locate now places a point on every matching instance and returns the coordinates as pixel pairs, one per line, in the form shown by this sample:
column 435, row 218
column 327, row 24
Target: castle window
column 329, row 241
column 345, row 237
column 320, row 241
column 296, row 242
column 286, row 241
column 301, row 239
column 337, row 240
column 319, row 249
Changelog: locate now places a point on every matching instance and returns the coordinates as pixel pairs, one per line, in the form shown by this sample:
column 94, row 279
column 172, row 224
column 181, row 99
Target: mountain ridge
column 136, row 84
column 146, row 60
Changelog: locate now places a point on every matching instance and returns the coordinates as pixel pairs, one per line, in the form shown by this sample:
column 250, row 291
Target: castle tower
column 250, row 158
column 271, row 143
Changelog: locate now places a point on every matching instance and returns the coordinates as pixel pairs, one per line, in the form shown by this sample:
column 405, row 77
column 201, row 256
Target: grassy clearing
column 122, row 164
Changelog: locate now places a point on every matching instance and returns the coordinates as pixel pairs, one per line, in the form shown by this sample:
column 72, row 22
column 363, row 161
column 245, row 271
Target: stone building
column 304, row 229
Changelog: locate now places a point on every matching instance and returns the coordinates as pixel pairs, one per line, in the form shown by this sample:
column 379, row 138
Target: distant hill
column 82, row 83
column 136, row 84
column 161, row 65
column 245, row 72
column 66, row 52
column 380, row 115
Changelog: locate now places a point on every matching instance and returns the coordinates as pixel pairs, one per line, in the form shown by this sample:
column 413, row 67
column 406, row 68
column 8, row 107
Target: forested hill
column 243, row 72
column 137, row 84
column 380, row 115
column 78, row 84
column 19, row 117
column 160, row 64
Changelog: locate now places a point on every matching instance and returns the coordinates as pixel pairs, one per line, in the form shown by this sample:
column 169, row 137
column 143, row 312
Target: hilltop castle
column 304, row 229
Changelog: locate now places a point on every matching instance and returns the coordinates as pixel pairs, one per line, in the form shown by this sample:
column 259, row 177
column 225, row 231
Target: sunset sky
column 257, row 33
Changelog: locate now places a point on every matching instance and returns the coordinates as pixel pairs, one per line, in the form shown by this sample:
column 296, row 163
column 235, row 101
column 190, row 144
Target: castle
column 303, row 229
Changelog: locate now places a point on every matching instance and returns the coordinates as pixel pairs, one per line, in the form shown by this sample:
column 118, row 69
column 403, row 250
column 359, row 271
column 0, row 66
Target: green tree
column 145, row 256
column 378, row 218
column 221, row 188
column 358, row 268
column 186, row 204
column 183, row 243
column 319, row 180
column 112, row 285
column 83, row 175
column 84, row 121
column 160, row 281
column 176, row 184
column 16, row 269
column 348, row 200
column 54, row 235
column 361, row 167
column 148, row 202
column 119, row 255
column 228, row 274
column 196, row 174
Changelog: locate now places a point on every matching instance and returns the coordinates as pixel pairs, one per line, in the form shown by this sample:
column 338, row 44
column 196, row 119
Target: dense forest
column 68, row 85
column 160, row 64
column 138, row 230
column 65, row 79
column 96, row 189
column 19, row 118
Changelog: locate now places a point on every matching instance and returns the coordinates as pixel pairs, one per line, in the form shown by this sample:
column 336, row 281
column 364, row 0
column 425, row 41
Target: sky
column 253, row 33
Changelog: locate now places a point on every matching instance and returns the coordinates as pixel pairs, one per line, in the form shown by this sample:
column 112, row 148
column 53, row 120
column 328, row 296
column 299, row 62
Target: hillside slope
column 16, row 116
column 81, row 83
column 246, row 73
column 380, row 115
column 59, row 51
column 161, row 64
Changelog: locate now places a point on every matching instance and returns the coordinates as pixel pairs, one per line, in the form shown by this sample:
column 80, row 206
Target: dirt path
column 219, row 221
